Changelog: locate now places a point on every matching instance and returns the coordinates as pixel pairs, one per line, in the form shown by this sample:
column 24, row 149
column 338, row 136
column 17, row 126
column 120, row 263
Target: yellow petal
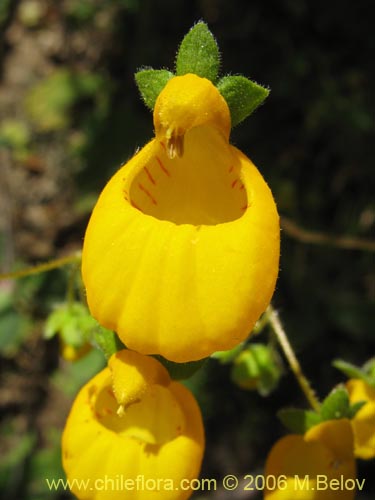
column 187, row 102
column 181, row 256
column 133, row 374
column 364, row 421
column 313, row 465
column 159, row 438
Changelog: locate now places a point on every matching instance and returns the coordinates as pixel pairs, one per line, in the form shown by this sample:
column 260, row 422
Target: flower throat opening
column 202, row 186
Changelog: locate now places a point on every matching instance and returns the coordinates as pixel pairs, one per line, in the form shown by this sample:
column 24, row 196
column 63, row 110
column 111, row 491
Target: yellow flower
column 317, row 466
column 181, row 253
column 133, row 433
column 364, row 421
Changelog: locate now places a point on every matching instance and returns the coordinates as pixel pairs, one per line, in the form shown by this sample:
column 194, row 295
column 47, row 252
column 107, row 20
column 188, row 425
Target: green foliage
column 150, row 83
column 50, row 102
column 199, row 53
column 15, row 135
column 72, row 322
column 242, row 96
column 335, row 406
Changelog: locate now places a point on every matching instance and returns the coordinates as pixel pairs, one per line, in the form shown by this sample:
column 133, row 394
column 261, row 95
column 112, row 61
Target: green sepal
column 199, row 53
column 225, row 357
column 107, row 341
column 297, row 420
column 180, row 371
column 355, row 407
column 150, row 83
column 336, row 405
column 242, row 95
column 353, row 371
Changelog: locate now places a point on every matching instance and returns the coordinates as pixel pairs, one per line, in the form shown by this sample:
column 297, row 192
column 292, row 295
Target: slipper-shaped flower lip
column 158, row 434
column 181, row 253
column 298, row 463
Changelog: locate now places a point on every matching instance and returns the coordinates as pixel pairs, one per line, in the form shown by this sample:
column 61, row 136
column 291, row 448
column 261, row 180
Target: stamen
column 175, row 143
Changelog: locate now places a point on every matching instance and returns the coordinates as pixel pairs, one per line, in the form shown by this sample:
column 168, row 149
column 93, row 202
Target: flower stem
column 41, row 268
column 283, row 340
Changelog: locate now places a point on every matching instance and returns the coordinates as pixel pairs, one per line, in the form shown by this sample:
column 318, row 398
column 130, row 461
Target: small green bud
column 256, row 368
column 199, row 53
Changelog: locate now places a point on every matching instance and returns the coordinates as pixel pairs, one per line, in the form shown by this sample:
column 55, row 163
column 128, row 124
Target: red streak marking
column 163, row 146
column 231, row 169
column 135, row 206
column 163, row 167
column 97, row 415
column 108, row 411
column 147, row 193
column 242, row 187
column 234, row 183
column 149, row 176
column 110, row 393
column 244, row 207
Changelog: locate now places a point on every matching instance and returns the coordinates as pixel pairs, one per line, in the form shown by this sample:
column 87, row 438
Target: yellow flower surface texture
column 133, row 433
column 181, row 253
column 363, row 422
column 319, row 465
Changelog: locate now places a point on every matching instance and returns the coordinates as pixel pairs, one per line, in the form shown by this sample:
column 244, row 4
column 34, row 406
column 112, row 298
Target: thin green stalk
column 283, row 340
column 41, row 268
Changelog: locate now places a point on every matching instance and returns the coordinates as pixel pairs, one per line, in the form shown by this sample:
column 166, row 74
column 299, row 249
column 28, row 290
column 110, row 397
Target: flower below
column 181, row 253
column 363, row 422
column 319, row 465
column 129, row 421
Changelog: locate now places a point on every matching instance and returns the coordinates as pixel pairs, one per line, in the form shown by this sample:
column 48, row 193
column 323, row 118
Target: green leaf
column 181, row 371
column 298, row 421
column 336, row 405
column 150, row 83
column 242, row 95
column 199, row 53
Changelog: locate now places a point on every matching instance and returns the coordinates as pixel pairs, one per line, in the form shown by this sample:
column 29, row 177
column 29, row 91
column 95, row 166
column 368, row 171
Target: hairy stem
column 283, row 340
column 41, row 268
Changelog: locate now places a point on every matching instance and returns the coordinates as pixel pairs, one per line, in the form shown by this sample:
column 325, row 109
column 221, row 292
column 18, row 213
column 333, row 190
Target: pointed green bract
column 150, row 83
column 352, row 371
column 297, row 420
column 242, row 95
column 107, row 341
column 336, row 405
column 199, row 54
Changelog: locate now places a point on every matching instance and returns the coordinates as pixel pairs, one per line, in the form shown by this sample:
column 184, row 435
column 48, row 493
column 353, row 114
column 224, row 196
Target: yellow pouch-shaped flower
column 133, row 433
column 317, row 466
column 364, row 421
column 181, row 253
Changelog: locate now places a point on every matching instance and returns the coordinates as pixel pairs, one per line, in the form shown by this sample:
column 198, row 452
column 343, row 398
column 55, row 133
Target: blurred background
column 70, row 114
